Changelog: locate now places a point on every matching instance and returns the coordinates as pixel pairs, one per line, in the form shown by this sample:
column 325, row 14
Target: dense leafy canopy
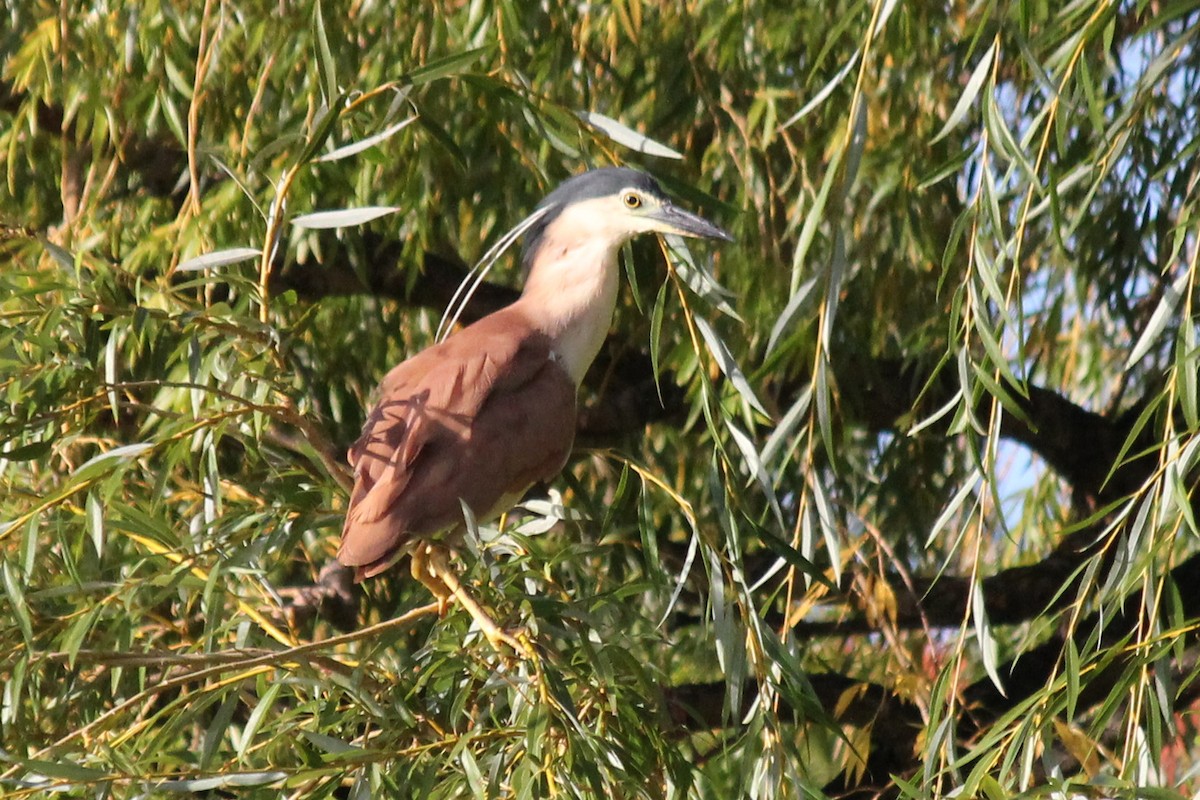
column 894, row 495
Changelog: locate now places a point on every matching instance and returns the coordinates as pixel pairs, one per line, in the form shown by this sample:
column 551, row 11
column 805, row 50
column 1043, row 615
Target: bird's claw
column 517, row 642
column 431, row 566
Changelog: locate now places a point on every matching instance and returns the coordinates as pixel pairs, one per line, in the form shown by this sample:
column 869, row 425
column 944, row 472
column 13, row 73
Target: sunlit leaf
column 342, row 218
column 627, row 136
column 232, row 780
column 953, row 507
column 444, row 67
column 1158, row 321
column 106, row 461
column 364, row 144
column 756, row 468
column 218, row 258
column 325, row 58
column 983, row 635
column 970, row 92
column 822, row 93
column 728, row 364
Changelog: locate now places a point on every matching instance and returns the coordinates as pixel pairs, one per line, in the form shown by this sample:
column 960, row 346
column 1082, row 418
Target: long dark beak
column 675, row 220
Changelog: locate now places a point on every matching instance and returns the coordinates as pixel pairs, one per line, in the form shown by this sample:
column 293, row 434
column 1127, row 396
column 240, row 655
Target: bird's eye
column 632, row 200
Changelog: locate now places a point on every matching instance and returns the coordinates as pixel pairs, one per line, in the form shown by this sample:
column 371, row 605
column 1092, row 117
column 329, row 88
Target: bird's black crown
column 586, row 186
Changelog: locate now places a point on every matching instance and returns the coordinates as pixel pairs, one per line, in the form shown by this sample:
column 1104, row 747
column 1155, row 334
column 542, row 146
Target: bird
column 482, row 416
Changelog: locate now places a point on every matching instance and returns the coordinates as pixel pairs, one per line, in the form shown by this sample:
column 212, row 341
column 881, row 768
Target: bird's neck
column 571, row 296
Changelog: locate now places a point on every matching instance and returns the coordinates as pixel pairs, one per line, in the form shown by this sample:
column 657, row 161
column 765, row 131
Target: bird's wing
column 475, row 419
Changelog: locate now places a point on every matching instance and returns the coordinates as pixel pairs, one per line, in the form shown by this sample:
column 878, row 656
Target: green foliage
column 920, row 515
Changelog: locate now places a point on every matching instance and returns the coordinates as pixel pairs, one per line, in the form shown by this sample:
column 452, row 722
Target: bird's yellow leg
column 423, row 571
column 439, row 576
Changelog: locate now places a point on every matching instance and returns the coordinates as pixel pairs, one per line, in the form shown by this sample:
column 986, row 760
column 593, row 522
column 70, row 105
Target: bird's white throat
column 571, row 295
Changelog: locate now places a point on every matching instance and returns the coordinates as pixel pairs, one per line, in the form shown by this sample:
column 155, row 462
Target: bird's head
column 608, row 207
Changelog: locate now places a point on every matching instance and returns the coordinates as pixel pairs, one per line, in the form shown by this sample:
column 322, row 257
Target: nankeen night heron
column 479, row 418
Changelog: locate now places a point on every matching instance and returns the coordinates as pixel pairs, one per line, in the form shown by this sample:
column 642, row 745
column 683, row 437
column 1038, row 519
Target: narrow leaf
column 1072, row 669
column 323, row 123
column 329, row 744
column 95, row 522
column 794, row 557
column 443, row 67
column 684, row 572
column 237, row 779
column 728, row 365
column 219, row 258
column 63, row 257
column 110, row 375
column 800, row 301
column 62, row 769
column 699, row 277
column 16, row 600
column 754, row 462
column 829, row 531
column 99, row 464
column 471, row 770
column 983, row 632
column 656, row 320
column 363, row 144
column 786, row 427
column 215, row 733
column 885, row 13
column 627, row 136
column 950, row 405
column 969, row 94
column 1159, row 319
column 28, row 452
column 256, row 717
column 325, row 60
column 822, row 94
column 953, row 506
column 342, row 218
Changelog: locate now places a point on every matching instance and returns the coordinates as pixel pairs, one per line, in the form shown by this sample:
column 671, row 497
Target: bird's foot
column 516, row 641
column 431, row 566
column 423, row 569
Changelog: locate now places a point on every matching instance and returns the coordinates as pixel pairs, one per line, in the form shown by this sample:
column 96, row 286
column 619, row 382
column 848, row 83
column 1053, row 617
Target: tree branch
column 1080, row 445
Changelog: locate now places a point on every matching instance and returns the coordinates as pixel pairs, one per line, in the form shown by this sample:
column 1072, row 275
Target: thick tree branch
column 385, row 274
column 701, row 706
column 1080, row 445
column 1012, row 595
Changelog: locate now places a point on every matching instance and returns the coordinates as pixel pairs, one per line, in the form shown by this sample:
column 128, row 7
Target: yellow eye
column 632, row 200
